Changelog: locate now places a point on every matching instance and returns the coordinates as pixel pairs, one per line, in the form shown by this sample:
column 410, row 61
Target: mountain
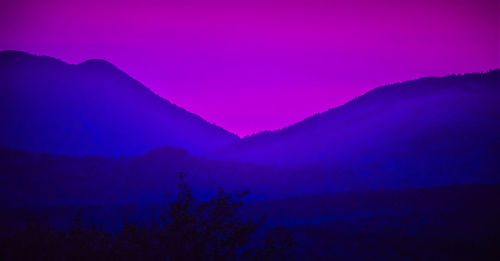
column 427, row 127
column 91, row 108
column 431, row 132
column 422, row 133
column 28, row 178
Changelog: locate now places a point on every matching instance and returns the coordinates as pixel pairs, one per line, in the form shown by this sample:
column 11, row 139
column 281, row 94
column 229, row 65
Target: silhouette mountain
column 434, row 124
column 91, row 108
column 427, row 132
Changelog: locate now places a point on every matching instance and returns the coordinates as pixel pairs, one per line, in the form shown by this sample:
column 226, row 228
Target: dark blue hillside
column 91, row 108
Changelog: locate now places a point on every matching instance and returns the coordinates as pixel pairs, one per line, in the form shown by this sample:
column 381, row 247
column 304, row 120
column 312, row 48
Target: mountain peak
column 14, row 53
column 110, row 112
column 98, row 63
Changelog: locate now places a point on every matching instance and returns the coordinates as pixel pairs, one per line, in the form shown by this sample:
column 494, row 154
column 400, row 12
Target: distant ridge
column 91, row 108
column 429, row 132
column 456, row 112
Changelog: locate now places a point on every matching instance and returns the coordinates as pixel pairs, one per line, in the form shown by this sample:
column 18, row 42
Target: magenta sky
column 257, row 65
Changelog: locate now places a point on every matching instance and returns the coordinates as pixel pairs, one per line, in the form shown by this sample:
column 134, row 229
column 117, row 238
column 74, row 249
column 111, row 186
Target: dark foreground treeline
column 187, row 229
column 440, row 223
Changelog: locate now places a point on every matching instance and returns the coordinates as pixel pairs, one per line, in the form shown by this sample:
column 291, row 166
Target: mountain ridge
column 495, row 72
column 435, row 96
column 78, row 97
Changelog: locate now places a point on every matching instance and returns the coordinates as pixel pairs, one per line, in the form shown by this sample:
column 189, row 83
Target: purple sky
column 260, row 65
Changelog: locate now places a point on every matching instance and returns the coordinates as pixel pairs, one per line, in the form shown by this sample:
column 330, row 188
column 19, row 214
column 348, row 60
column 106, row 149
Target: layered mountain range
column 435, row 131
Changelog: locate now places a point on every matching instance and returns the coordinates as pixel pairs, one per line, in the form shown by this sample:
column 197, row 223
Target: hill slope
column 91, row 108
column 439, row 122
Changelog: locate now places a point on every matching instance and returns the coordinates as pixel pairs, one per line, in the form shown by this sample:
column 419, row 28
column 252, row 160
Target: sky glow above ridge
column 250, row 66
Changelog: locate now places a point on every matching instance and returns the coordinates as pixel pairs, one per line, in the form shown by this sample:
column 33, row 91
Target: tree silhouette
column 188, row 229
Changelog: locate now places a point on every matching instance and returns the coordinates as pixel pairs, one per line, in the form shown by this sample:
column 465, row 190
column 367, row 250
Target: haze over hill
column 249, row 130
column 91, row 108
column 454, row 116
column 427, row 132
column 423, row 133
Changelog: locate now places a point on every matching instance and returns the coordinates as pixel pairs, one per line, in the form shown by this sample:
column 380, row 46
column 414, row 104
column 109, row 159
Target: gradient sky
column 260, row 65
